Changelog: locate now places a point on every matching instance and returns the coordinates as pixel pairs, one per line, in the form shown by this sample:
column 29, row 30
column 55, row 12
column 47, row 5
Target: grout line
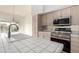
column 31, row 49
column 28, row 47
column 22, row 47
column 56, row 48
column 3, row 46
column 16, row 48
column 36, row 46
column 40, row 47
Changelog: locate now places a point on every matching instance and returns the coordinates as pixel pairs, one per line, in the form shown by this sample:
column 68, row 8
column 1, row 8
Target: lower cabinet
column 75, row 44
column 46, row 35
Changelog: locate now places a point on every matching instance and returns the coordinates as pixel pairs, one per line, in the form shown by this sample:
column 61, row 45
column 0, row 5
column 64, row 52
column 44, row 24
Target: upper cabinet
column 75, row 15
column 57, row 14
column 65, row 13
column 47, row 18
column 50, row 18
column 44, row 19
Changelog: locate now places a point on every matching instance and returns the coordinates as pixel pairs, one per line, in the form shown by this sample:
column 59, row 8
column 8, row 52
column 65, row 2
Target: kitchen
column 47, row 29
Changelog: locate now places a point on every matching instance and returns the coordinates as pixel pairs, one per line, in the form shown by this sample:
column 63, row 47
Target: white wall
column 28, row 21
column 24, row 11
column 22, row 15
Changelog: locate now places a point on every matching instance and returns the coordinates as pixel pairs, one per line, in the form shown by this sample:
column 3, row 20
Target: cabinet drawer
column 41, row 34
column 45, row 34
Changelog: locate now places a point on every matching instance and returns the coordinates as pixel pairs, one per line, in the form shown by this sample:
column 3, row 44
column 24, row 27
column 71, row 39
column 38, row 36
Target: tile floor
column 28, row 46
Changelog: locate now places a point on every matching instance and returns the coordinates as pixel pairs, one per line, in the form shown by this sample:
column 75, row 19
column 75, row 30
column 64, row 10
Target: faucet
column 9, row 31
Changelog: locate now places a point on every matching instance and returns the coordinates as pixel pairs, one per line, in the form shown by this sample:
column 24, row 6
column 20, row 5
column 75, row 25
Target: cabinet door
column 65, row 13
column 39, row 22
column 50, row 19
column 75, row 45
column 75, row 15
column 47, row 35
column 57, row 14
column 41, row 34
column 44, row 19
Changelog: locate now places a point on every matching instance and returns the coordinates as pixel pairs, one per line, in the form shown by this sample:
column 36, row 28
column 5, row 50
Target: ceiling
column 55, row 7
column 47, row 8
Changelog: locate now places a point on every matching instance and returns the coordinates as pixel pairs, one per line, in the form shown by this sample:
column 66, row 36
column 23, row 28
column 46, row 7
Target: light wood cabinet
column 47, row 19
column 44, row 19
column 46, row 35
column 39, row 22
column 75, row 44
column 57, row 15
column 65, row 13
column 75, row 15
column 50, row 19
column 41, row 34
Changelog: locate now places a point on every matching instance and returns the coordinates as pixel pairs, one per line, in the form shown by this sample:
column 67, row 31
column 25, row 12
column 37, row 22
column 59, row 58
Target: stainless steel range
column 62, row 33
